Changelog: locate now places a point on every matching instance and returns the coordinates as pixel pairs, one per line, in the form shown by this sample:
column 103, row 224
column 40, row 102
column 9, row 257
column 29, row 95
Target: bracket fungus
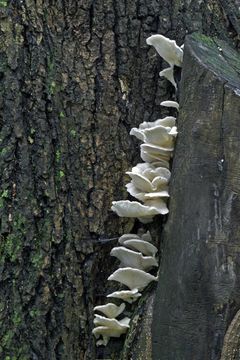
column 168, row 74
column 129, row 296
column 167, row 49
column 169, row 103
column 109, row 328
column 110, row 310
column 149, row 184
column 133, row 259
column 125, row 237
column 132, row 278
column 143, row 246
column 134, row 209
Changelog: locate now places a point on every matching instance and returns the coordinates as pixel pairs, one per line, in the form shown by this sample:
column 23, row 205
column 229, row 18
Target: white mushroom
column 140, row 245
column 127, row 237
column 113, row 323
column 141, row 182
column 126, row 208
column 143, row 196
column 110, row 310
column 151, row 171
column 168, row 74
column 168, row 121
column 129, row 296
column 133, row 259
column 159, row 152
column 167, row 49
column 109, row 328
column 132, row 278
column 169, row 103
column 153, row 158
column 159, row 135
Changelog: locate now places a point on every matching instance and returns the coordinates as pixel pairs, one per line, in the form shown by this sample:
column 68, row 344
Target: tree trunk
column 75, row 77
column 199, row 282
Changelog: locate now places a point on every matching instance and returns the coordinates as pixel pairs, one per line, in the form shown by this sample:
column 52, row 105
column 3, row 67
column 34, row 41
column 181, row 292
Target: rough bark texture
column 73, row 83
column 199, row 283
column 75, row 77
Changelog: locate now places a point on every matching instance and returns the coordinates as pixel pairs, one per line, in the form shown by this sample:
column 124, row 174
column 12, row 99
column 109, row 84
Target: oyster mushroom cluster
column 137, row 256
column 149, row 186
column 149, row 180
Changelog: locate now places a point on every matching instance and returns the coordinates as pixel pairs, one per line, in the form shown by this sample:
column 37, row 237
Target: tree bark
column 75, row 77
column 199, row 283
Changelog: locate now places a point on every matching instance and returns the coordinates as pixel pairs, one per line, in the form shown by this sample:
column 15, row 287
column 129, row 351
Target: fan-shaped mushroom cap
column 137, row 133
column 153, row 159
column 140, row 245
column 142, row 196
column 167, row 49
column 173, row 131
column 125, row 237
column 168, row 74
column 111, row 323
column 110, row 310
column 169, row 103
column 132, row 278
column 110, row 328
column 133, row 259
column 140, row 181
column 159, row 135
column 151, row 171
column 126, row 208
column 158, row 151
column 167, row 121
column 129, row 296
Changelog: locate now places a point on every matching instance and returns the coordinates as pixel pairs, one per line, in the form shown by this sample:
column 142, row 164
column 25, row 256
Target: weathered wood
column 231, row 344
column 199, row 284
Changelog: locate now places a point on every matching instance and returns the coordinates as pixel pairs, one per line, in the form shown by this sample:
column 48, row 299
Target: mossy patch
column 3, row 3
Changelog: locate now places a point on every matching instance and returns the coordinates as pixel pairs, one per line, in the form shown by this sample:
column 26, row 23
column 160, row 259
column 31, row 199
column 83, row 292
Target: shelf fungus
column 110, row 310
column 169, row 103
column 167, row 49
column 130, row 296
column 149, row 185
column 134, row 209
column 132, row 278
column 143, row 246
column 168, row 74
column 133, row 259
column 107, row 328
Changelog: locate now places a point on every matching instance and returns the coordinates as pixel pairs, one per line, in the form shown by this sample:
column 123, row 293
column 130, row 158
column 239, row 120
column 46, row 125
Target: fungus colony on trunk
column 149, row 185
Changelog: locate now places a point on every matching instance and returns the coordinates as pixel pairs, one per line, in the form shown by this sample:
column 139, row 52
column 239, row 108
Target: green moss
column 12, row 247
column 3, row 196
column 52, row 87
column 37, row 259
column 58, row 155
column 34, row 313
column 61, row 114
column 3, row 3
column 3, row 151
column 73, row 132
column 204, row 39
column 17, row 318
column 219, row 57
column 7, row 339
column 61, row 174
column 19, row 223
